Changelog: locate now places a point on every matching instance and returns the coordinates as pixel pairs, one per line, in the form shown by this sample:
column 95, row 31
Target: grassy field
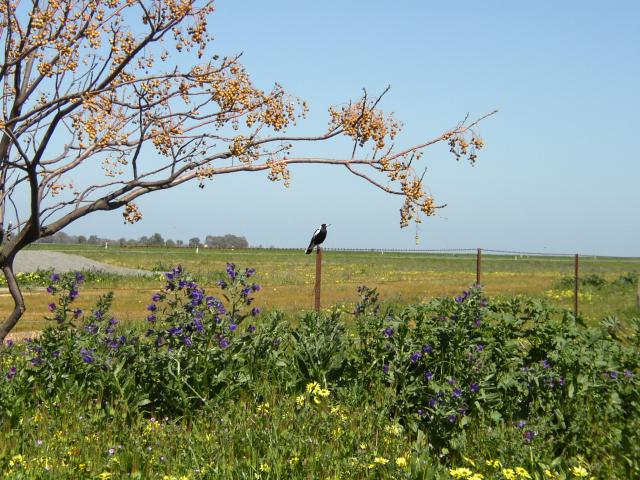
column 287, row 278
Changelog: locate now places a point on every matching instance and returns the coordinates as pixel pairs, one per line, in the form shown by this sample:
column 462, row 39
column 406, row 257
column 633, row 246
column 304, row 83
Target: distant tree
column 226, row 241
column 143, row 241
column 133, row 87
column 82, row 239
column 156, row 240
column 194, row 242
column 122, row 242
column 179, row 243
column 93, row 240
column 170, row 243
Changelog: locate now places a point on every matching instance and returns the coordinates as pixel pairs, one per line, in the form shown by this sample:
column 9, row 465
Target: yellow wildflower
column 579, row 471
column 395, row 430
column 469, row 461
column 401, row 462
column 494, row 463
column 462, row 472
column 294, row 460
column 550, row 474
column 265, row 467
column 476, row 476
column 313, row 387
column 509, row 473
column 323, row 392
column 263, row 408
column 16, row 460
column 380, row 460
column 363, row 446
column 300, row 400
column 522, row 473
column 104, row 476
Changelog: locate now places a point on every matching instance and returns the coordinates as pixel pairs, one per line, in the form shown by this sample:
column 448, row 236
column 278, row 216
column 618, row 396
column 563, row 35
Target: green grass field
column 287, row 277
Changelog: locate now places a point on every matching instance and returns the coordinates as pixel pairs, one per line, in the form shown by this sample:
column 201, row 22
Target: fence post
column 318, row 277
column 575, row 286
column 478, row 266
column 638, row 295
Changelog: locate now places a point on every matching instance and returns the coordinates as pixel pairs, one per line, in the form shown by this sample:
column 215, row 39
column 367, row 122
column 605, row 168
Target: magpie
column 318, row 237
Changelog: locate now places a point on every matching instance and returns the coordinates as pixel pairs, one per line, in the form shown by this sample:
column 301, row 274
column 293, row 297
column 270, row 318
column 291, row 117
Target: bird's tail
column 309, row 249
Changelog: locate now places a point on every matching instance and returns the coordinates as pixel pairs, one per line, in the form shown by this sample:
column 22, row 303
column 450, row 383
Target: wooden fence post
column 575, row 286
column 318, row 277
column 478, row 266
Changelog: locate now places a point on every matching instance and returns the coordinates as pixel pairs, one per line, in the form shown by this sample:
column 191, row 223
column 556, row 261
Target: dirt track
column 31, row 260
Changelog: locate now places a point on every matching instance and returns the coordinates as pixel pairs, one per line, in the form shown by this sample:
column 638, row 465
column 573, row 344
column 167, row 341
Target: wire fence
column 575, row 271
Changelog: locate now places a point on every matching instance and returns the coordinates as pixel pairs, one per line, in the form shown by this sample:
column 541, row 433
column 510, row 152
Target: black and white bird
column 318, row 237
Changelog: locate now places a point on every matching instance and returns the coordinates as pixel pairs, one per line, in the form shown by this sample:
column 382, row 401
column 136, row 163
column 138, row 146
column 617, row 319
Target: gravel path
column 31, row 260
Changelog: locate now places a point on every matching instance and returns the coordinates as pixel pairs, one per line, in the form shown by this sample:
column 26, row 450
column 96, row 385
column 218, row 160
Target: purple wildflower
column 10, row 344
column 428, row 376
column 521, row 423
column 388, row 332
column 251, row 328
column 457, row 392
column 36, row 361
column 250, row 272
column 426, row 348
column 87, row 355
column 187, row 341
column 11, row 373
column 546, row 364
column 55, row 277
column 152, row 307
column 475, row 388
column 528, row 436
column 198, row 324
column 233, row 327
column 222, row 284
column 52, row 307
column 151, row 318
column 50, row 289
column 452, row 418
column 385, row 368
column 433, row 402
column 223, row 343
column 451, row 381
column 627, row 373
column 156, row 297
column 479, row 347
column 415, row 357
column 255, row 311
column 459, row 299
column 613, row 374
column 77, row 313
column 79, row 277
column 231, row 270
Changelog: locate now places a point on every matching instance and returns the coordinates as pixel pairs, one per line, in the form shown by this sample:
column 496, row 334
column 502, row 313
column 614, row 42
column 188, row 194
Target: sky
column 560, row 171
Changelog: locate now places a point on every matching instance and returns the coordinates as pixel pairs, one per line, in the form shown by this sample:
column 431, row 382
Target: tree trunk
column 19, row 308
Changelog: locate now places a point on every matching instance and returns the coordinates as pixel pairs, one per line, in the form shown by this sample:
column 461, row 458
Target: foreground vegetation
column 462, row 387
column 287, row 277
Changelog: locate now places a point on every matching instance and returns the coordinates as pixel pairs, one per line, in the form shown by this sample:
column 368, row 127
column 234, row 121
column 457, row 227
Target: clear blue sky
column 560, row 172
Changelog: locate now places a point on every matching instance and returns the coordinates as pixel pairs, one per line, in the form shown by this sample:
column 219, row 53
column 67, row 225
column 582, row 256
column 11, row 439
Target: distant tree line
column 155, row 240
